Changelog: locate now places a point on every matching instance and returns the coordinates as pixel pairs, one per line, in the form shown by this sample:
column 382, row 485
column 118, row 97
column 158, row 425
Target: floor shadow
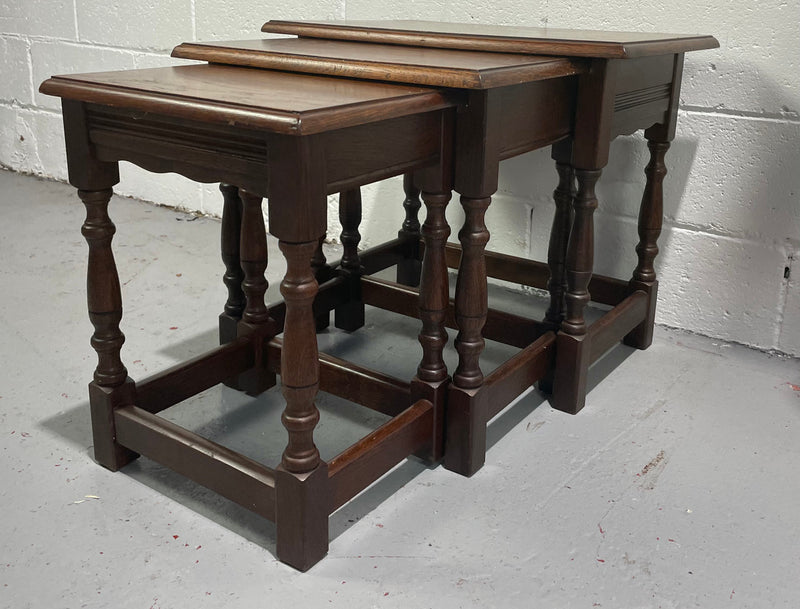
column 73, row 425
column 252, row 425
column 513, row 415
column 192, row 346
column 610, row 361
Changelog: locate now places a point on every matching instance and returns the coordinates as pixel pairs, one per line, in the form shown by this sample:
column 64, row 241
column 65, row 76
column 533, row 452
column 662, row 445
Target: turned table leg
column 559, row 236
column 350, row 315
column 410, row 268
column 557, row 248
column 230, row 236
column 111, row 386
column 572, row 349
column 467, row 414
column 302, row 477
column 431, row 380
column 650, row 218
column 255, row 317
column 434, row 296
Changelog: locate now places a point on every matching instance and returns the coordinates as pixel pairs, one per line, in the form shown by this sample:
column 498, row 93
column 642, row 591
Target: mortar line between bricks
column 789, row 117
column 751, row 238
column 193, row 8
column 671, row 223
column 87, row 44
column 75, row 17
column 31, row 84
column 16, row 105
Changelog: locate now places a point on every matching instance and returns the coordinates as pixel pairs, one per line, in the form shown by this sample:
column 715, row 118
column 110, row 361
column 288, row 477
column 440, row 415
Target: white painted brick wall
column 732, row 214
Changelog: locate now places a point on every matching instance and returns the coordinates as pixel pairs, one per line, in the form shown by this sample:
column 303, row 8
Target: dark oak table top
column 424, row 66
column 280, row 102
column 500, row 38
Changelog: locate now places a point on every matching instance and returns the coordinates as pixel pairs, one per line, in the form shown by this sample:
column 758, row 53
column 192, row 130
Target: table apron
column 208, row 153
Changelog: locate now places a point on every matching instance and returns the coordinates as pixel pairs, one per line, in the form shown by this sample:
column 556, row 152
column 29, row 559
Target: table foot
column 301, row 516
column 103, row 401
column 465, row 443
column 571, row 373
column 436, row 394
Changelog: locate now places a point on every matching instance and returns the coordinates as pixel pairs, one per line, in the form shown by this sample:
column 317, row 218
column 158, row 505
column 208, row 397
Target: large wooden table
column 575, row 90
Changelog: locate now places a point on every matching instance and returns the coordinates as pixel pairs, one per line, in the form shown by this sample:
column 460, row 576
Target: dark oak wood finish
column 377, row 391
column 559, row 233
column 226, row 472
column 367, row 460
column 295, row 138
column 294, row 143
column 299, row 382
column 631, row 81
column 350, row 315
column 469, row 410
column 255, row 317
column 222, row 95
column 472, row 301
column 609, row 329
column 434, row 296
column 497, row 38
column 322, row 272
column 500, row 326
column 442, row 68
column 587, row 104
column 103, row 289
column 234, row 275
column 650, row 217
column 409, row 269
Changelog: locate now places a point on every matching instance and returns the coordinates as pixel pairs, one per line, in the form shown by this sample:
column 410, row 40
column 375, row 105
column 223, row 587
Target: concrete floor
column 676, row 486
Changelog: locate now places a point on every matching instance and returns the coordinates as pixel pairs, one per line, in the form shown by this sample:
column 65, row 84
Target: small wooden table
column 294, row 139
column 582, row 89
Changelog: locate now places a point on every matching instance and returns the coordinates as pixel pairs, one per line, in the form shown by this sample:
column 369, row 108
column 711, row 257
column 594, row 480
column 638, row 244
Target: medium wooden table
column 294, row 139
column 582, row 89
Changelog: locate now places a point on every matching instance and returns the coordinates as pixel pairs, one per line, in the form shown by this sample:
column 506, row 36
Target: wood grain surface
column 500, row 38
column 417, row 65
column 296, row 104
